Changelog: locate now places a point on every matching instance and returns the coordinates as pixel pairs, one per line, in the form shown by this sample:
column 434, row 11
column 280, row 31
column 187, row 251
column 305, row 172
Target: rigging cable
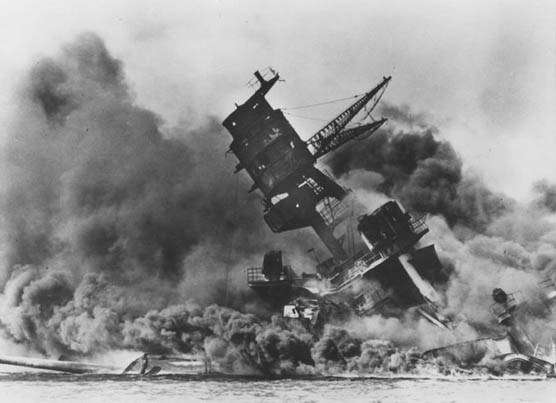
column 368, row 110
column 322, row 103
column 306, row 117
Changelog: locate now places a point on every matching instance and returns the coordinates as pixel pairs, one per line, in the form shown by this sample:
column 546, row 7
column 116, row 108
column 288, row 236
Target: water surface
column 46, row 387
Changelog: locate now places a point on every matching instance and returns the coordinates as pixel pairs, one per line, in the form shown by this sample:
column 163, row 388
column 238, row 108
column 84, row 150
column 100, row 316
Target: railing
column 418, row 225
column 255, row 275
column 371, row 257
column 267, row 73
column 331, row 210
column 359, row 267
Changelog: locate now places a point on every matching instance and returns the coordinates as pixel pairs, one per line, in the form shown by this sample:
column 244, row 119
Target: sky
column 483, row 72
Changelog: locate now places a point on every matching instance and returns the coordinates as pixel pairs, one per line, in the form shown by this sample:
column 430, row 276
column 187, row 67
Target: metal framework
column 332, row 142
column 330, row 137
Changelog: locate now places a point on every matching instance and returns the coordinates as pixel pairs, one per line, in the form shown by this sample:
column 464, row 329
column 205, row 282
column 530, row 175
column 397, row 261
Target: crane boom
column 319, row 143
column 332, row 142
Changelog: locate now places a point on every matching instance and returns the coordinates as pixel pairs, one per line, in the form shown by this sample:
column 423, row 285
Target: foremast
column 281, row 165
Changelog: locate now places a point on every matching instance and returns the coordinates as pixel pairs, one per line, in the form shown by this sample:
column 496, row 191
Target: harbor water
column 46, row 387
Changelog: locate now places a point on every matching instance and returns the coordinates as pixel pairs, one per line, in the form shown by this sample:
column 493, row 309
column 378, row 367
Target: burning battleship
column 391, row 272
column 386, row 273
column 378, row 263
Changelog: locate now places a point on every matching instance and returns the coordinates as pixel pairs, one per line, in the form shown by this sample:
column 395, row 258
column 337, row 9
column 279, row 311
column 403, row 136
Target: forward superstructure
column 387, row 273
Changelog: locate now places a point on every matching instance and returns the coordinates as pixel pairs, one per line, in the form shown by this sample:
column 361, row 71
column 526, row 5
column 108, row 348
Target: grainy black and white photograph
column 277, row 201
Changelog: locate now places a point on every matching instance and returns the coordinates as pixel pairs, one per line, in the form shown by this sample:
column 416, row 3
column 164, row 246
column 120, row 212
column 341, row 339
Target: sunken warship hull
column 392, row 272
column 388, row 274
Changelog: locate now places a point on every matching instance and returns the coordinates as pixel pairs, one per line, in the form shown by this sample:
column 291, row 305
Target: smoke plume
column 546, row 195
column 420, row 170
column 484, row 239
column 117, row 232
column 106, row 214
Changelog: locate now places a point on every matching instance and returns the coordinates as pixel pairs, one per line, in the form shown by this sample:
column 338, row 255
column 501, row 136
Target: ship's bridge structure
column 281, row 164
column 394, row 271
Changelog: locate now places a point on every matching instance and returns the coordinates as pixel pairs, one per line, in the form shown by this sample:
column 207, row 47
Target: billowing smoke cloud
column 120, row 233
column 107, row 214
column 518, row 254
column 93, row 180
column 420, row 170
column 546, row 195
column 484, row 240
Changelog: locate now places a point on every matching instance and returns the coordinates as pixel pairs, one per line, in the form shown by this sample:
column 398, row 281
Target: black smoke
column 99, row 192
column 546, row 195
column 96, row 183
column 112, row 224
column 420, row 169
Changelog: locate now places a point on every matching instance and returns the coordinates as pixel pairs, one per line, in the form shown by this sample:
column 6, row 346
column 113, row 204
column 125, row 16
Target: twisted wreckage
column 386, row 270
